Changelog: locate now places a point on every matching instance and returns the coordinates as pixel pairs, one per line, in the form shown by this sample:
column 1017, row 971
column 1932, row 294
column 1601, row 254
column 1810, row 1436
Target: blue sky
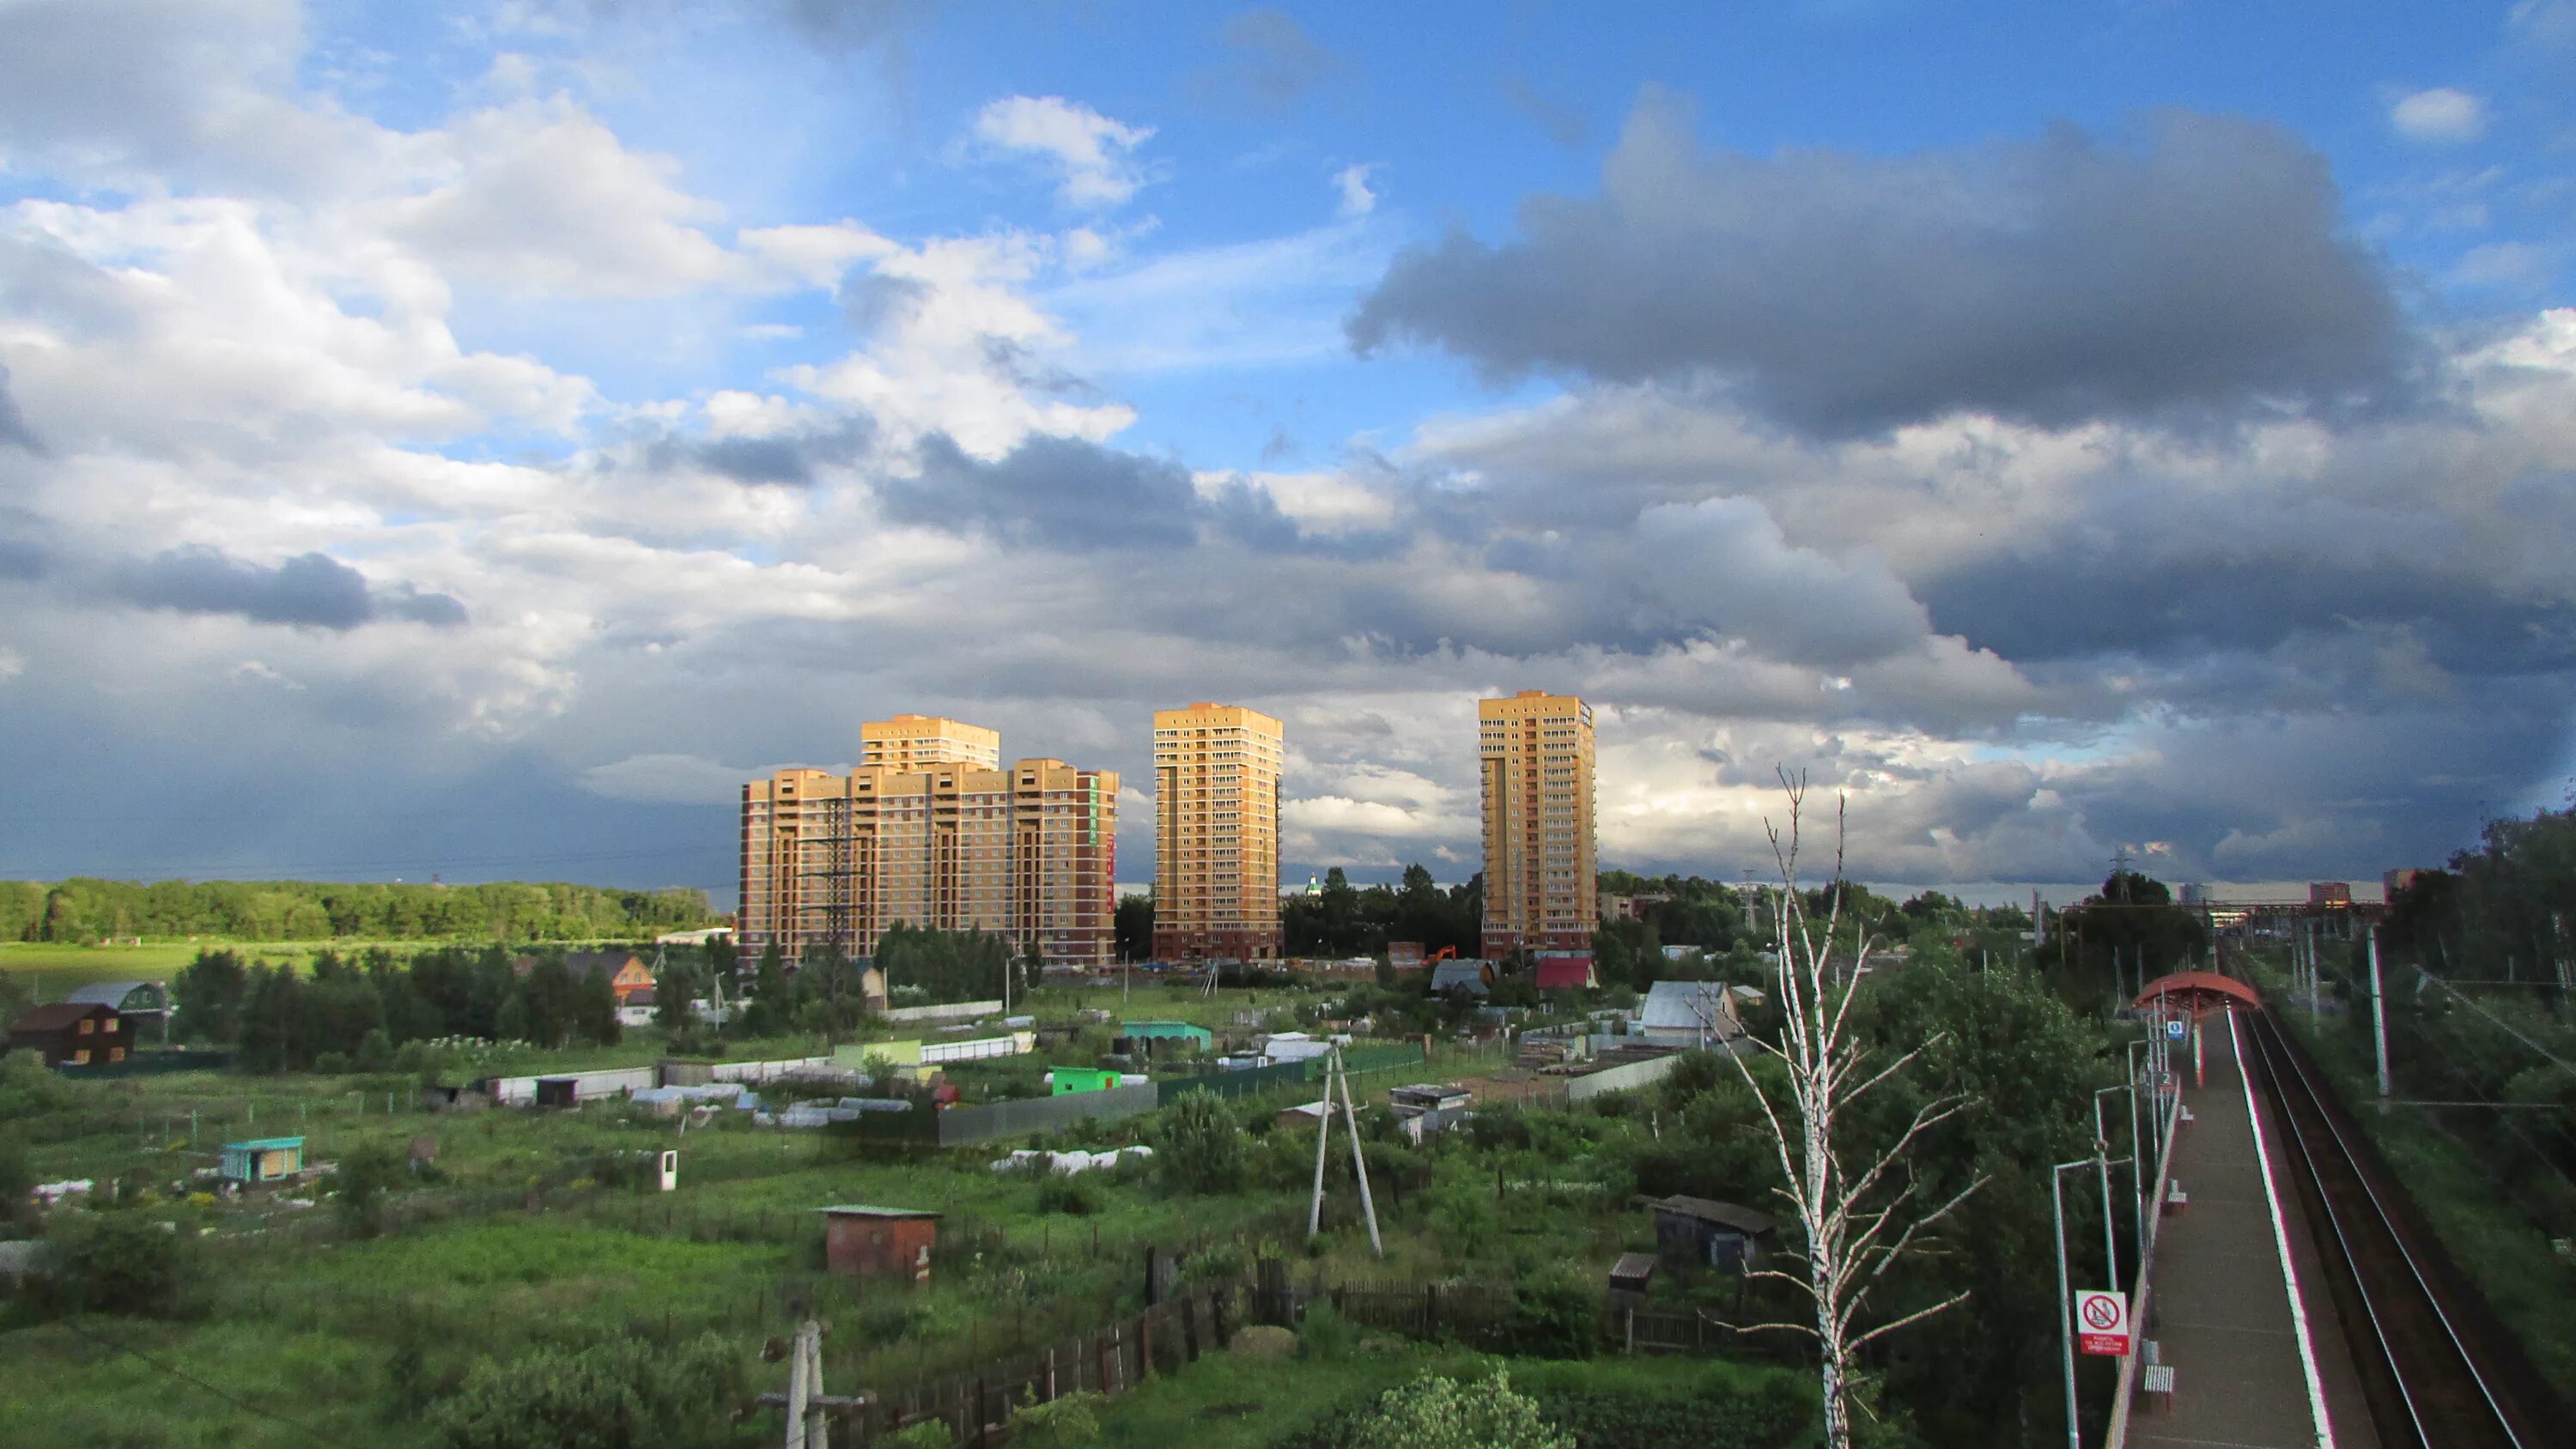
column 473, row 437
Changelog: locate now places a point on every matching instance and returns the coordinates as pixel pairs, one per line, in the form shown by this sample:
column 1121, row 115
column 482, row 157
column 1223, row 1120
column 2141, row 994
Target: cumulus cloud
column 1092, row 155
column 1351, row 183
column 2198, row 270
column 2440, row 116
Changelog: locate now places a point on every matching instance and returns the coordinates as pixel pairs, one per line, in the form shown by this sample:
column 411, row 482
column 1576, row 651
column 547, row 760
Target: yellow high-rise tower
column 911, row 741
column 1535, row 750
column 932, row 832
column 1216, row 832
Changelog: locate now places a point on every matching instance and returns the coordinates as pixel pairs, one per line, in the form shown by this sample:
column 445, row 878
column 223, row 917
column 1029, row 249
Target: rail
column 2428, row 1350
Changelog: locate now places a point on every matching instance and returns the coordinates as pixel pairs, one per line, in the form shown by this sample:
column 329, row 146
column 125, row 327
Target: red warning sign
column 2101, row 1322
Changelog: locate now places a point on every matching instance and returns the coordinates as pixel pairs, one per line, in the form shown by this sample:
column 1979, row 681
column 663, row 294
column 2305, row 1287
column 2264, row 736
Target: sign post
column 2102, row 1322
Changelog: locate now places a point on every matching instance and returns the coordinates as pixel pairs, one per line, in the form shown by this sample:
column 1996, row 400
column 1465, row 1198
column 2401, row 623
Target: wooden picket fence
column 1110, row 1360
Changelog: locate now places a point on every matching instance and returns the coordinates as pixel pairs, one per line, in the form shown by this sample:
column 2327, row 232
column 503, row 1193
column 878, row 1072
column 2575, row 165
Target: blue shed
column 263, row 1159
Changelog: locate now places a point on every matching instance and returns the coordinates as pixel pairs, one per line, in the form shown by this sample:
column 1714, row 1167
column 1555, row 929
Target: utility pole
column 1334, row 1073
column 2378, row 1015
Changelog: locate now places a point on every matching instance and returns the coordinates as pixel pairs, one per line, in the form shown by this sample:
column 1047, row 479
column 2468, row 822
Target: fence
column 1620, row 1079
column 949, row 1011
column 1362, row 1060
column 1108, row 1360
column 960, row 1126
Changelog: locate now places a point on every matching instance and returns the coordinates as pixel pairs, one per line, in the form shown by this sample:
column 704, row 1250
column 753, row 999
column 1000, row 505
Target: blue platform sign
column 2177, row 1029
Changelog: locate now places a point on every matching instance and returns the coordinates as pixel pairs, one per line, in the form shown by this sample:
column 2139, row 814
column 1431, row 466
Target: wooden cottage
column 72, row 1034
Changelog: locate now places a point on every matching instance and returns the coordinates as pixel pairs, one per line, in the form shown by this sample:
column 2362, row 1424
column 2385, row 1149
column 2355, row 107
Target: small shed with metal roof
column 1699, row 1232
column 865, row 1241
column 262, row 1159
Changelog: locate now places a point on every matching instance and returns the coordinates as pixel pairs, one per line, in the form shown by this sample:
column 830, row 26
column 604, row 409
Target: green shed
column 1166, row 1031
column 1082, row 1079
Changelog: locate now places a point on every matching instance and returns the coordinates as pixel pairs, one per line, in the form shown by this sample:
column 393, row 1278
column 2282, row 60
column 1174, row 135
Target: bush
column 1440, row 1413
column 1324, row 1335
column 1552, row 1317
column 622, row 1393
column 114, row 1262
column 362, row 1181
column 1074, row 1193
column 1070, row 1422
column 1198, row 1145
column 928, row 1434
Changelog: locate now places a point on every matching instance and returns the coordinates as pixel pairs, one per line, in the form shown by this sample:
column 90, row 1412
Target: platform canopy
column 2198, row 992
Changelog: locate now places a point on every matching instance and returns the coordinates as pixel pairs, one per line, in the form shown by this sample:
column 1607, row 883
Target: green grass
column 2523, row 1278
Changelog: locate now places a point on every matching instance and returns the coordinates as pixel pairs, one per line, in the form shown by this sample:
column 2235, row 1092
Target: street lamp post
column 2137, row 1178
column 2066, row 1295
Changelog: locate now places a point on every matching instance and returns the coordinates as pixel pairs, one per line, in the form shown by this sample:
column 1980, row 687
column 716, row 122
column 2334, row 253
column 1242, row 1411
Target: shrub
column 1070, row 1422
column 114, row 1262
column 1324, row 1334
column 1198, row 1145
column 928, row 1434
column 1069, row 1192
column 623, row 1393
column 1552, row 1317
column 1440, row 1413
column 362, row 1180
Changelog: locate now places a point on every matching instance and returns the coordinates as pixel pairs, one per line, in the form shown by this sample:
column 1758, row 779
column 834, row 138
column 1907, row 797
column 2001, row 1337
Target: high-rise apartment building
column 1535, row 749
column 1216, row 832
column 910, row 741
column 1029, row 852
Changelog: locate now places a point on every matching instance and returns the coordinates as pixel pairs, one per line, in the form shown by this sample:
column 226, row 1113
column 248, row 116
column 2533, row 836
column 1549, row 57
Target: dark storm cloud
column 788, row 460
column 310, row 590
column 13, row 424
column 2107, row 601
column 1271, row 62
column 2199, row 272
column 1050, row 492
column 1079, row 497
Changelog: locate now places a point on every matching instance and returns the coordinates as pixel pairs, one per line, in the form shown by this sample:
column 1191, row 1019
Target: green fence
column 1249, row 1081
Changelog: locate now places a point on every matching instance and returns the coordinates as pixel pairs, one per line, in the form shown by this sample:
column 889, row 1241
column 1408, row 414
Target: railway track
column 2437, row 1367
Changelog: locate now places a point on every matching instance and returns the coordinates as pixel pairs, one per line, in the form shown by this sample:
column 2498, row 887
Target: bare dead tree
column 1856, row 1206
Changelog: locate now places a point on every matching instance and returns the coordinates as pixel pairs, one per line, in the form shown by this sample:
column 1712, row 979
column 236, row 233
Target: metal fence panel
column 961, row 1125
column 1620, row 1079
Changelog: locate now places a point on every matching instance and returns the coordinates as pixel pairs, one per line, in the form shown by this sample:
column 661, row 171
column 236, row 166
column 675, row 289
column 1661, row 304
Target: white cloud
column 1351, row 184
column 2440, row 116
column 1093, row 155
column 12, row 664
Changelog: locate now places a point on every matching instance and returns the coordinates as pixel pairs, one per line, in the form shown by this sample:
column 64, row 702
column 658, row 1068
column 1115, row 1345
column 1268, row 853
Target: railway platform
column 2238, row 1314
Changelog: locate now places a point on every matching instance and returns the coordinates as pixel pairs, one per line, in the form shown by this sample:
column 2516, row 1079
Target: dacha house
column 72, row 1034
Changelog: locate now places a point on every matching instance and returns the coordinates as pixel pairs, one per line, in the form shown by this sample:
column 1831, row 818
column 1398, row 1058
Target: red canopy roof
column 2199, row 991
column 1564, row 972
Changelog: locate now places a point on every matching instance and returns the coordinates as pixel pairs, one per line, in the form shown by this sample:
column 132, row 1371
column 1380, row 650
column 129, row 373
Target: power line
column 174, row 1371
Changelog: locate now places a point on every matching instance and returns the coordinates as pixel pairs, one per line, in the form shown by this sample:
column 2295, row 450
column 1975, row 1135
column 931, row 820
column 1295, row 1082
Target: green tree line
column 84, row 911
column 360, row 1012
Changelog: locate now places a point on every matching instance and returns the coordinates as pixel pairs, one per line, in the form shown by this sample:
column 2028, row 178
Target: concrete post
column 2378, row 1015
